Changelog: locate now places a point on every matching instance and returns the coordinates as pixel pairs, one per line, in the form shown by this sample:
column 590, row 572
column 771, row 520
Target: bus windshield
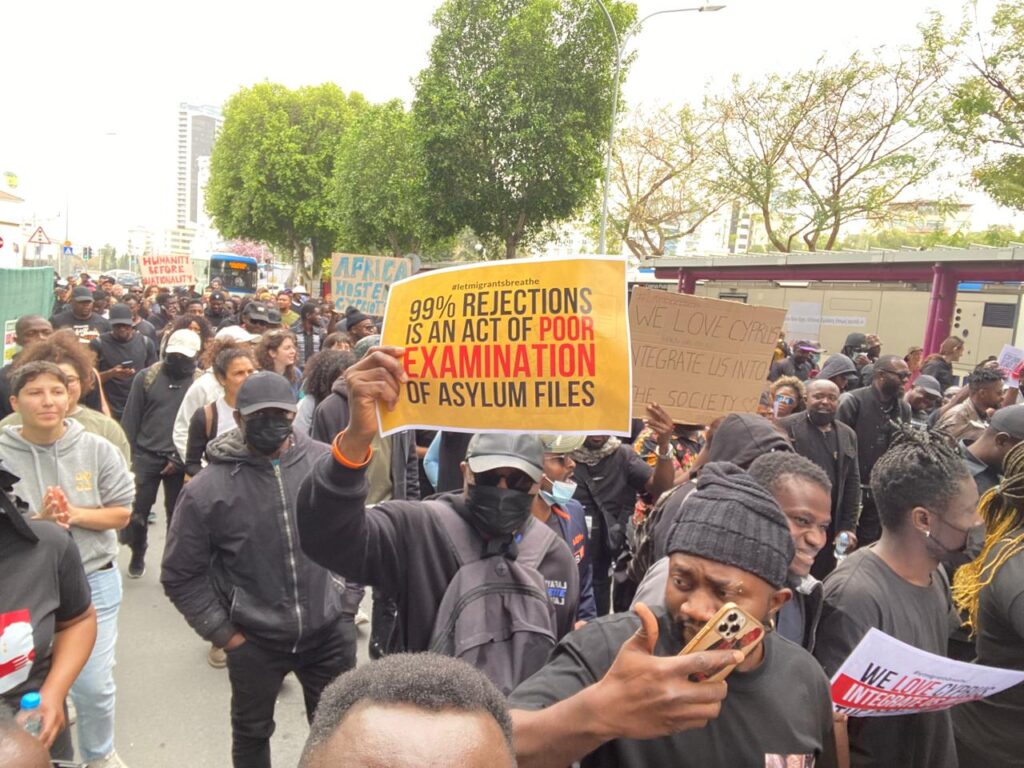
column 238, row 274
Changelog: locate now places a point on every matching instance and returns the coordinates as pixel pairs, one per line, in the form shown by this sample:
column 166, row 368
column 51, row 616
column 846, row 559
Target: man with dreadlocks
column 926, row 504
column 989, row 590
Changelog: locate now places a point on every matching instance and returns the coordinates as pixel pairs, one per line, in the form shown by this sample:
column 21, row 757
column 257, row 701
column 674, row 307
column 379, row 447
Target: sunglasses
column 785, row 400
column 514, row 479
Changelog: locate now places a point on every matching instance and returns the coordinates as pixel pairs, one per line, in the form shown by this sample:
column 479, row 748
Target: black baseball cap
column 81, row 293
column 1009, row 420
column 256, row 312
column 120, row 314
column 494, row 450
column 265, row 389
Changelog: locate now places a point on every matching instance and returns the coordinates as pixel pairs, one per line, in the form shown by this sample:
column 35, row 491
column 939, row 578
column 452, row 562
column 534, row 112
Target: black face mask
column 264, row 433
column 821, row 419
column 497, row 512
column 179, row 367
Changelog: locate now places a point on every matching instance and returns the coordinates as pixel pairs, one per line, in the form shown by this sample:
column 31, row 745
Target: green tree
column 813, row 151
column 379, row 183
column 273, row 168
column 514, row 109
column 985, row 114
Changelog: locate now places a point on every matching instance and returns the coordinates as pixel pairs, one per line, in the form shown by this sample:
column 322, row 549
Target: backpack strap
column 150, row 374
column 464, row 543
column 535, row 542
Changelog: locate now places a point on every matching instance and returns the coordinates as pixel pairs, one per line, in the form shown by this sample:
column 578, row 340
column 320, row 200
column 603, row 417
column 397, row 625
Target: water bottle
column 842, row 544
column 29, row 716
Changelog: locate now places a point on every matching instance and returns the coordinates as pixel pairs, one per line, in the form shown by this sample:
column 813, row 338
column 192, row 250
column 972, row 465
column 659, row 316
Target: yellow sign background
column 527, row 345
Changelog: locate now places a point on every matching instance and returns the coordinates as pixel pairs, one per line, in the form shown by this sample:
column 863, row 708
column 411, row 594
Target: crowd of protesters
column 531, row 594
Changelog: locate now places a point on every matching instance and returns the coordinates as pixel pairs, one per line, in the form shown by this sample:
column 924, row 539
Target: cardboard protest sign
column 884, row 676
column 528, row 345
column 168, row 271
column 363, row 281
column 10, row 345
column 699, row 358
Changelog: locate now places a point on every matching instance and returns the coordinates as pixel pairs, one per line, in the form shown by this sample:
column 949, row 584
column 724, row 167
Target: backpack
column 644, row 534
column 495, row 613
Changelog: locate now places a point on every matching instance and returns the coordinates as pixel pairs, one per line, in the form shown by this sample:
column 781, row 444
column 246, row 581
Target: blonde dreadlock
column 1002, row 509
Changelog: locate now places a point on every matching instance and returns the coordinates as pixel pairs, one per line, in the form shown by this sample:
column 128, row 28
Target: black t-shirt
column 110, row 353
column 781, row 709
column 864, row 592
column 43, row 583
column 67, row 319
column 993, row 726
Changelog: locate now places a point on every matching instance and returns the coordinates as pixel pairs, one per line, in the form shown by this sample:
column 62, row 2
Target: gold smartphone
column 731, row 629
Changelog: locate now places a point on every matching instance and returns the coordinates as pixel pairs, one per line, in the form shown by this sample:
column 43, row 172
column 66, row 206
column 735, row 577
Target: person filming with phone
column 620, row 692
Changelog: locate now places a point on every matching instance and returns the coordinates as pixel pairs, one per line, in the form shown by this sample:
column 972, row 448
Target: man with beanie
column 148, row 421
column 856, row 349
column 416, row 550
column 233, row 568
column 831, row 445
column 870, row 411
column 616, row 692
column 358, row 325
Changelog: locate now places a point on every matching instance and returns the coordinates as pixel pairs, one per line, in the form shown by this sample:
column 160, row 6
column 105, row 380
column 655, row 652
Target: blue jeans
column 93, row 691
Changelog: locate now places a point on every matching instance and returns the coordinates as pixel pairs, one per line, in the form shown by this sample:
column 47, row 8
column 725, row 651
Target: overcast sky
column 91, row 90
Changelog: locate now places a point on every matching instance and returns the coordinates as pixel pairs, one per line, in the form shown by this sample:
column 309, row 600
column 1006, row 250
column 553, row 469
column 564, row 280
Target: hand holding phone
column 730, row 629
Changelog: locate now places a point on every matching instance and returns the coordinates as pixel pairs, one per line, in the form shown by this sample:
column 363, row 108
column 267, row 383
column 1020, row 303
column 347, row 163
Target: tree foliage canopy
column 514, row 109
column 985, row 114
column 379, row 183
column 273, row 164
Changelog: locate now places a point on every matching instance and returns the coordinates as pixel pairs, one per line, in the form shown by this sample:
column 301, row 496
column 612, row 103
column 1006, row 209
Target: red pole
column 930, row 344
column 687, row 282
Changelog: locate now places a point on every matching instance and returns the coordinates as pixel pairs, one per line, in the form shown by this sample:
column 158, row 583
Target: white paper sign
column 1010, row 358
column 884, row 676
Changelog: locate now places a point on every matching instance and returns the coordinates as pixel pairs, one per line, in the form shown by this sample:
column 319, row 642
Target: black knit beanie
column 354, row 317
column 733, row 520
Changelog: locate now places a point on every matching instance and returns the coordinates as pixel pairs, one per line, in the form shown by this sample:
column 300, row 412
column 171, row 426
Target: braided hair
column 1002, row 509
column 920, row 469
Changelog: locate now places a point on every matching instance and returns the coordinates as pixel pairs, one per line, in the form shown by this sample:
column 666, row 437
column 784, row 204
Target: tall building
column 197, row 129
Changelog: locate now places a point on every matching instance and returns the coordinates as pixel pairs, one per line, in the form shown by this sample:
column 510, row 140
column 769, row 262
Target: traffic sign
column 69, row 251
column 1, row 242
column 39, row 237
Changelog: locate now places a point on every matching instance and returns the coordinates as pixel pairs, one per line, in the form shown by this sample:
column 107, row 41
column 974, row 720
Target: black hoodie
column 232, row 560
column 740, row 438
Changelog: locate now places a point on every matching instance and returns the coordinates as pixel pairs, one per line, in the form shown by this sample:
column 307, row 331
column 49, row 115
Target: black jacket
column 149, row 413
column 232, row 560
column 862, row 410
column 802, row 433
column 400, row 547
column 331, row 416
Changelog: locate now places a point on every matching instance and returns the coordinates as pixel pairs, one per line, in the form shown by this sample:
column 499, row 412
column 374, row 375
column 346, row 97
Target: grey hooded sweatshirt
column 87, row 467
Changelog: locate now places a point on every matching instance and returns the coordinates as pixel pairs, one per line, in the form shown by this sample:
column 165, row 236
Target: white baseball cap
column 237, row 333
column 184, row 342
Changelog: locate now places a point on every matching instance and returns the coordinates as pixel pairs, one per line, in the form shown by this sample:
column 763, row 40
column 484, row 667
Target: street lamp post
column 619, row 50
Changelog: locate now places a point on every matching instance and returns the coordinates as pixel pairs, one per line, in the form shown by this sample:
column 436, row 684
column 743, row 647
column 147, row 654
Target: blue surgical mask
column 561, row 492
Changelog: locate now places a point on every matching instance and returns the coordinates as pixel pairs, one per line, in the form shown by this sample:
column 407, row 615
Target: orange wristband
column 340, row 457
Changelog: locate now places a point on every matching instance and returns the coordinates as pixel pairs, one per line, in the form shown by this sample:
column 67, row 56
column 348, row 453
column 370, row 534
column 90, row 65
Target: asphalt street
column 172, row 706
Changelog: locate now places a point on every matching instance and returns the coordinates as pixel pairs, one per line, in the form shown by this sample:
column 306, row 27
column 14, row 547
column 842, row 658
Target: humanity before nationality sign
column 525, row 345
column 699, row 358
column 168, row 271
column 884, row 676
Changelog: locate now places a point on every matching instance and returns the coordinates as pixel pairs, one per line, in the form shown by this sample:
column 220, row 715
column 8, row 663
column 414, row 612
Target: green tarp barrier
column 26, row 291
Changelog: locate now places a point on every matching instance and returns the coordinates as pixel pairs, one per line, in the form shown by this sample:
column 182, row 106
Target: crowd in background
column 564, row 573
